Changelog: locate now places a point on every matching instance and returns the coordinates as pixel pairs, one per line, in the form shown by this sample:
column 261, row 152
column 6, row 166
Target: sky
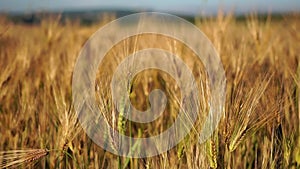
column 179, row 6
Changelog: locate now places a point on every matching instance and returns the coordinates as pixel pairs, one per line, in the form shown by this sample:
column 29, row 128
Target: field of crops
column 260, row 126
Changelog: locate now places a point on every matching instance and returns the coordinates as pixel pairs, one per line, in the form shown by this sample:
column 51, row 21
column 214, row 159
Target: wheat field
column 260, row 124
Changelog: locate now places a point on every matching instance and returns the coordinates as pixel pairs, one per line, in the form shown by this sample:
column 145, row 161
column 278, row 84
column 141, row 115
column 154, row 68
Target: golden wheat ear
column 248, row 121
column 14, row 158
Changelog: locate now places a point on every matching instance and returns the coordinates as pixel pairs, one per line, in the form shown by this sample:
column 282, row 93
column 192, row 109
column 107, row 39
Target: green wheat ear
column 121, row 118
column 123, row 108
column 297, row 152
column 212, row 148
column 183, row 146
column 180, row 150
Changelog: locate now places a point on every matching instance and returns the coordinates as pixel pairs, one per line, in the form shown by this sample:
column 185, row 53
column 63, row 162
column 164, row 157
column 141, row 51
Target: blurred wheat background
column 260, row 124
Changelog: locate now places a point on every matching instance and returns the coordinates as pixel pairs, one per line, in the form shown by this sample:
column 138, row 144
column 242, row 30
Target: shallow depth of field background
column 260, row 127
